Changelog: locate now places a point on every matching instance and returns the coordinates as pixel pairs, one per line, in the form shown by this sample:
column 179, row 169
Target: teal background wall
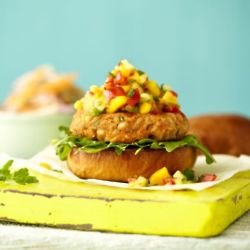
column 200, row 47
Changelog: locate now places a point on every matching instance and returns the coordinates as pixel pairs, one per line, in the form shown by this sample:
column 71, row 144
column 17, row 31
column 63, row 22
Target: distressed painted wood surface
column 41, row 238
column 63, row 204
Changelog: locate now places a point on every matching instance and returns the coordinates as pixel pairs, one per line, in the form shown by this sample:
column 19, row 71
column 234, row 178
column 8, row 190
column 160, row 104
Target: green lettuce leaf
column 64, row 145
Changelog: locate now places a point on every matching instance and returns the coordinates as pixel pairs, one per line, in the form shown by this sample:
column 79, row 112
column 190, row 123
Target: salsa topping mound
column 128, row 89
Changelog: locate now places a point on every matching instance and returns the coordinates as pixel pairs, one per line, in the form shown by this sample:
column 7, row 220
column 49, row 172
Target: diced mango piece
column 165, row 87
column 117, row 103
column 135, row 76
column 142, row 78
column 136, row 85
column 96, row 90
column 126, row 88
column 127, row 65
column 139, row 78
column 153, row 88
column 145, row 107
column 78, row 105
column 125, row 72
column 114, row 71
column 169, row 97
column 124, row 67
column 159, row 177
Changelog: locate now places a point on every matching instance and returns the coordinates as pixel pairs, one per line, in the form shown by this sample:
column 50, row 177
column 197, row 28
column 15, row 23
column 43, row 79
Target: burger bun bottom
column 108, row 165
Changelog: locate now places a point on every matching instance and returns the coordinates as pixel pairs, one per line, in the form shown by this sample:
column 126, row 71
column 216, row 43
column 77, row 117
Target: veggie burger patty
column 127, row 127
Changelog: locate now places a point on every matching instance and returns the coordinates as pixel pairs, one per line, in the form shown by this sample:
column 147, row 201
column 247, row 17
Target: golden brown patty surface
column 127, row 128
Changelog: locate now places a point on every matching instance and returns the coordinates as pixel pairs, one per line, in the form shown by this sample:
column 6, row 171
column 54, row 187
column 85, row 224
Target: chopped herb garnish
column 131, row 81
column 58, row 171
column 189, row 174
column 111, row 74
column 20, row 176
column 5, row 171
column 140, row 72
column 131, row 92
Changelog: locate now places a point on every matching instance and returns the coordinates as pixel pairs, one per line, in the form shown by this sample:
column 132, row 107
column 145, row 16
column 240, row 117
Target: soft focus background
column 200, row 47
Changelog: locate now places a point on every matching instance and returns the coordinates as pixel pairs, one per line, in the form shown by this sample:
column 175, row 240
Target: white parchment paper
column 225, row 167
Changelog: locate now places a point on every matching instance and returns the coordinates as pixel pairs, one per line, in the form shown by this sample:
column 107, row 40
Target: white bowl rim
column 44, row 112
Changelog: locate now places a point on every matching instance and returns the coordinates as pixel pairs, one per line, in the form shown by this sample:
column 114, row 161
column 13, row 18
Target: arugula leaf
column 144, row 142
column 20, row 176
column 118, row 147
column 194, row 142
column 69, row 141
column 63, row 149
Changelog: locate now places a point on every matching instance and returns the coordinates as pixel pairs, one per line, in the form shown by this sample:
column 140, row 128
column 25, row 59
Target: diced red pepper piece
column 135, row 98
column 207, row 177
column 113, row 92
column 120, row 79
column 173, row 109
column 118, row 91
column 155, row 109
column 169, row 181
column 109, row 85
column 109, row 79
column 132, row 179
column 108, row 94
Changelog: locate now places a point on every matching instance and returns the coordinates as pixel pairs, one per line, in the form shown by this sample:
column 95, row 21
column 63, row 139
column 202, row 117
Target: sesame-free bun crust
column 107, row 165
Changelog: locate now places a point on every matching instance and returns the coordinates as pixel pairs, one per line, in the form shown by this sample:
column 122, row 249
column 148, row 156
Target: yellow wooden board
column 63, row 204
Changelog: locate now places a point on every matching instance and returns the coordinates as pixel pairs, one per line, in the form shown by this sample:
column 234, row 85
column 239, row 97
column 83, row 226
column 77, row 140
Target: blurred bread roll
column 223, row 133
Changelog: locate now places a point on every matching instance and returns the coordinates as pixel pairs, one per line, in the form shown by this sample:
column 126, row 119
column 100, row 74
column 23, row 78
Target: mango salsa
column 128, row 89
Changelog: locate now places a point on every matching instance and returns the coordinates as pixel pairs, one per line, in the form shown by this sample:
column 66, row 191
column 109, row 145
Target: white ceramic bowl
column 23, row 135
